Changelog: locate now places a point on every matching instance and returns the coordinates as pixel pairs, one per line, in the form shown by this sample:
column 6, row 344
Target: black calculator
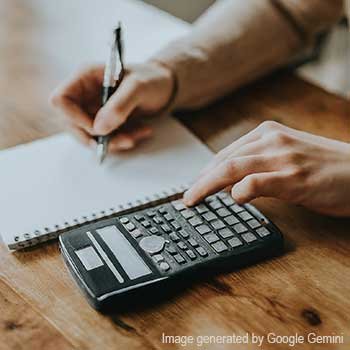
column 119, row 258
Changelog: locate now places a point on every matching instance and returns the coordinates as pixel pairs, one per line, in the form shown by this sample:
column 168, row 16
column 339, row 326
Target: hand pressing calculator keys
column 116, row 259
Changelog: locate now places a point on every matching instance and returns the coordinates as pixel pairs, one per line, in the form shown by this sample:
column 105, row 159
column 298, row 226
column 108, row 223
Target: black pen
column 111, row 81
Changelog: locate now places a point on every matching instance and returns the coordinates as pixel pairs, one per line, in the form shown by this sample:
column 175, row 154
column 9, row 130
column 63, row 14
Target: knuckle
column 269, row 125
column 230, row 167
column 252, row 184
column 56, row 98
column 280, row 138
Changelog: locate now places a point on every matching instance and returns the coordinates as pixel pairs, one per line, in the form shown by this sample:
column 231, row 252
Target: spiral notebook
column 53, row 184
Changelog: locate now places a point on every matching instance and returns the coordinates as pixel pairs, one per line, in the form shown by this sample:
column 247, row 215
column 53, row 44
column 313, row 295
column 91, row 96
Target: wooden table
column 306, row 290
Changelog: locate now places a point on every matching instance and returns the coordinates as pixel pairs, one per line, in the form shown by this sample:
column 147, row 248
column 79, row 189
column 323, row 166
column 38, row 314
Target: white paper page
column 56, row 180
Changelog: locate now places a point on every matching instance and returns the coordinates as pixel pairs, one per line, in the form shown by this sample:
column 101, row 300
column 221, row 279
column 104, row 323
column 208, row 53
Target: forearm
column 235, row 42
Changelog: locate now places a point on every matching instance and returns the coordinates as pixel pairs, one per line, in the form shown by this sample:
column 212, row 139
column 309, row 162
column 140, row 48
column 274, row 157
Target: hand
column 276, row 161
column 145, row 89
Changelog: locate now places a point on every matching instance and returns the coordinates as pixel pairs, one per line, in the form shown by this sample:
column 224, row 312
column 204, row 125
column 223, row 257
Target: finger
column 225, row 174
column 74, row 113
column 226, row 152
column 82, row 136
column 126, row 141
column 118, row 108
column 268, row 184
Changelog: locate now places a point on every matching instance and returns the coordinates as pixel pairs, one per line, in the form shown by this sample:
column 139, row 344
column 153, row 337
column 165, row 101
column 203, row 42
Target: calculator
column 119, row 258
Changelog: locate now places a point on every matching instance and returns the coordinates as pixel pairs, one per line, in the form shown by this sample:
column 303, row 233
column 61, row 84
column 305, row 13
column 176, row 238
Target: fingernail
column 92, row 143
column 186, row 198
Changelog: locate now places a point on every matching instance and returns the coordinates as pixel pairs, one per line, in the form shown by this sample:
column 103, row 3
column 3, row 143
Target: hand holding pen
column 144, row 90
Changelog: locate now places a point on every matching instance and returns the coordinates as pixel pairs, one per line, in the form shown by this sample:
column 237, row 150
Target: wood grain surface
column 305, row 290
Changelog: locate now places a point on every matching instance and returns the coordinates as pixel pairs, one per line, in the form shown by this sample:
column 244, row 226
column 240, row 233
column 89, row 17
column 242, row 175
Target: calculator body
column 118, row 259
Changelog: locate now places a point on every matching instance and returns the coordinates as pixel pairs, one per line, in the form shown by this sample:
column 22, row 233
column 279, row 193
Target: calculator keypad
column 175, row 236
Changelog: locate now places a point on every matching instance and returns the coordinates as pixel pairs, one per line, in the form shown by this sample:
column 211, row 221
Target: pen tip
column 101, row 154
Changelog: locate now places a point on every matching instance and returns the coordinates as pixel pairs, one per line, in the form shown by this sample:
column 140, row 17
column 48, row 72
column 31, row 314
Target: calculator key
column 193, row 242
column 234, row 242
column 201, row 251
column 158, row 258
column 245, row 215
column 173, row 236
column 124, row 220
column 225, row 232
column 168, row 217
column 182, row 245
column 151, row 213
column 176, row 225
column 171, row 249
column 248, row 237
column 263, row 232
column 184, row 234
column 139, row 217
column 146, row 223
column 231, row 220
column 223, row 212
column 130, row 226
column 190, row 254
column 217, row 224
column 228, row 201
column 179, row 259
column 211, row 237
column 215, row 204
column 154, row 230
column 236, row 208
column 222, row 195
column 219, row 246
column 187, row 213
column 210, row 216
column 201, row 208
column 203, row 229
column 195, row 221
column 210, row 198
column 157, row 219
column 165, row 228
column 164, row 266
column 162, row 210
column 240, row 228
column 152, row 244
column 179, row 205
column 136, row 233
column 253, row 223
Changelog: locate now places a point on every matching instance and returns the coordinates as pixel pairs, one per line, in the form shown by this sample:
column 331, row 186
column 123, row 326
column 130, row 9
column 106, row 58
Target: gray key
column 157, row 258
column 182, row 245
column 178, row 205
column 179, row 259
column 152, row 244
column 184, row 234
column 234, row 242
column 193, row 242
column 217, row 224
column 228, row 201
column 236, row 208
column 222, row 195
column 136, row 233
column 176, row 225
column 203, row 229
column 187, row 213
column 210, row 198
column 248, row 237
column 146, row 223
column 124, row 220
column 201, row 251
column 191, row 255
column 263, row 232
column 253, row 223
column 130, row 226
column 209, row 216
column 223, row 212
column 154, row 230
column 245, row 215
column 195, row 221
column 225, row 232
column 201, row 208
column 231, row 220
column 215, row 204
column 164, row 266
column 166, row 228
column 211, row 238
column 239, row 228
column 168, row 217
column 173, row 236
column 219, row 246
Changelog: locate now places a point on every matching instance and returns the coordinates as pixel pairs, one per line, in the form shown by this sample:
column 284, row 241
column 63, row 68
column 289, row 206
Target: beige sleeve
column 236, row 41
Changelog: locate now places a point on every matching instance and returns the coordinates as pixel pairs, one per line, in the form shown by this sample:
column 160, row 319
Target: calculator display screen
column 124, row 252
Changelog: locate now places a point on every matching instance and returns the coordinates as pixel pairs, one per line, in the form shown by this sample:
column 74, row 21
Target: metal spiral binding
column 48, row 233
